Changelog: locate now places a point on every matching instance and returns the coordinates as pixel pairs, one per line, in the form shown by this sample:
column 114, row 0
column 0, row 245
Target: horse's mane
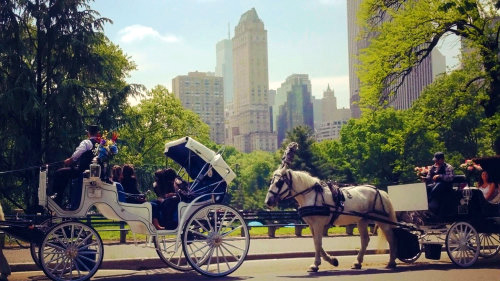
column 306, row 179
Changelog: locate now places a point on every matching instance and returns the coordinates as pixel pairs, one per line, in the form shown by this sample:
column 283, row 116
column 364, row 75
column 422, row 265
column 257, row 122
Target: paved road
column 146, row 255
column 295, row 269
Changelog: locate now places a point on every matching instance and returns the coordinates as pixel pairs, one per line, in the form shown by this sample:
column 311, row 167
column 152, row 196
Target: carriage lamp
column 95, row 170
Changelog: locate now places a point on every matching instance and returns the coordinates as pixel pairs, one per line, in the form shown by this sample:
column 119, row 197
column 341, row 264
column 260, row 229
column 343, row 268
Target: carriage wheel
column 71, row 251
column 490, row 244
column 165, row 247
column 215, row 240
column 34, row 250
column 45, row 226
column 414, row 258
column 462, row 244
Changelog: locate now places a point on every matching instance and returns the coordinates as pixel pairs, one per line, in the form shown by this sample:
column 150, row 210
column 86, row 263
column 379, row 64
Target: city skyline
column 169, row 38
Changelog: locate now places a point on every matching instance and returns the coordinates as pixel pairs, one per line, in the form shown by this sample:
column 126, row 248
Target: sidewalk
column 130, row 256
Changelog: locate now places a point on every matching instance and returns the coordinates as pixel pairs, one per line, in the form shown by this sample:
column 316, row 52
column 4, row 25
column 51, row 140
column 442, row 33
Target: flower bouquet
column 422, row 171
column 104, row 150
column 472, row 171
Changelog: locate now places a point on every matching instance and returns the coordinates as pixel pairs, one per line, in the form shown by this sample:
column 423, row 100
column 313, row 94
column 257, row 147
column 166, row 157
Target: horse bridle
column 287, row 178
column 282, row 179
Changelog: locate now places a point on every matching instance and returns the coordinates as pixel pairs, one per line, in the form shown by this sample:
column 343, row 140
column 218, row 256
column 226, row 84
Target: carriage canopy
column 195, row 158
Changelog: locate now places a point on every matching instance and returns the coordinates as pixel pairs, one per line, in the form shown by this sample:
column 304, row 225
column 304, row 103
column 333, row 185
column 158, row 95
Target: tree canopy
column 58, row 73
column 404, row 33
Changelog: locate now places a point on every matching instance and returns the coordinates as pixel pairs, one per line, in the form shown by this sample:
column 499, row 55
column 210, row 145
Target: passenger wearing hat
column 76, row 164
column 439, row 183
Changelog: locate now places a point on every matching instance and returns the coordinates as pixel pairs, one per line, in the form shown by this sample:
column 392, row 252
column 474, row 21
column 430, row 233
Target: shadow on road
column 418, row 266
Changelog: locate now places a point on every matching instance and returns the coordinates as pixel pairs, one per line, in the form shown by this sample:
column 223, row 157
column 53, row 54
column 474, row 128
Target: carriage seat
column 479, row 206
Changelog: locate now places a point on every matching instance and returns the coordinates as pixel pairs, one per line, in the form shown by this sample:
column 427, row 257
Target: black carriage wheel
column 71, row 251
column 490, row 245
column 34, row 251
column 165, row 248
column 215, row 240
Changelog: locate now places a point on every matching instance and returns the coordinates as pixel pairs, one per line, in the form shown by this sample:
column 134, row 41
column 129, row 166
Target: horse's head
column 279, row 187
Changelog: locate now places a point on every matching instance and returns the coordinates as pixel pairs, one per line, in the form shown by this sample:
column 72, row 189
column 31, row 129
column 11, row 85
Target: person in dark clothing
column 128, row 179
column 129, row 183
column 76, row 164
column 165, row 206
column 439, row 184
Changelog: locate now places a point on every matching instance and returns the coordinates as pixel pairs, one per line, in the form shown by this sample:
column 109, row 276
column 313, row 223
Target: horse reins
column 288, row 192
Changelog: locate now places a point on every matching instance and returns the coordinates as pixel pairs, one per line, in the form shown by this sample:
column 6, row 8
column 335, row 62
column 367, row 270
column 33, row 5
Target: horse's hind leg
column 365, row 238
column 389, row 235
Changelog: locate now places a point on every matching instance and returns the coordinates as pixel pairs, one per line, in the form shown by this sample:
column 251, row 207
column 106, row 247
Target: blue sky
column 166, row 38
column 169, row 38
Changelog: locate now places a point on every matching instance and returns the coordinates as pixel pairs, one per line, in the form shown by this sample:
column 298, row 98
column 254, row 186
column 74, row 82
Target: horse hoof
column 356, row 266
column 391, row 266
column 313, row 269
column 335, row 262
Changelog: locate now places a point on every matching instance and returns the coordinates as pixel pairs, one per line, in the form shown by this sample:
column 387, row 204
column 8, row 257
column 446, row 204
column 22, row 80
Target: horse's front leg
column 317, row 235
column 365, row 238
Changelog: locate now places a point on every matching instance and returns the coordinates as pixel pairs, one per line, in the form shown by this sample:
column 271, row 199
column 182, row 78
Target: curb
column 155, row 263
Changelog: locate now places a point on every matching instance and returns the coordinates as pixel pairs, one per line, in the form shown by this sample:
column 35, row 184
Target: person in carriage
column 76, row 164
column 166, row 187
column 439, row 185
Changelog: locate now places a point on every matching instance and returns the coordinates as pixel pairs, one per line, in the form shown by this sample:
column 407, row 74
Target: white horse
column 364, row 199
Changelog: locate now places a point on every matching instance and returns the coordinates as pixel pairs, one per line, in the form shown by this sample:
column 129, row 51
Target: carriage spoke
column 224, row 256
column 210, row 255
column 84, row 240
column 221, row 221
column 236, row 257
column 87, row 246
column 202, row 226
column 231, row 231
column 225, row 243
column 82, row 263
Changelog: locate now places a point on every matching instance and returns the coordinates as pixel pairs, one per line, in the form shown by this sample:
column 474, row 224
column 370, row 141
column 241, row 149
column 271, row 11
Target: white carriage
column 211, row 237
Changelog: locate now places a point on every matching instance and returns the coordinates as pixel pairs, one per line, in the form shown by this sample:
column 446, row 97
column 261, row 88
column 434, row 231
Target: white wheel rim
column 71, row 251
column 165, row 246
column 216, row 247
column 462, row 244
column 490, row 244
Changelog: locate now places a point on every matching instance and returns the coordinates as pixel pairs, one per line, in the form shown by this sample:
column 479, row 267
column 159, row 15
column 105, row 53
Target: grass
column 255, row 232
column 110, row 233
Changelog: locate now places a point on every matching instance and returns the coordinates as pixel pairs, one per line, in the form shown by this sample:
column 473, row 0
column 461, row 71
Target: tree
column 304, row 159
column 406, row 32
column 372, row 146
column 157, row 119
column 58, row 72
column 253, row 173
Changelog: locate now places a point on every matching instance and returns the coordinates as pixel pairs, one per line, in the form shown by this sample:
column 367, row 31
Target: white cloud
column 139, row 32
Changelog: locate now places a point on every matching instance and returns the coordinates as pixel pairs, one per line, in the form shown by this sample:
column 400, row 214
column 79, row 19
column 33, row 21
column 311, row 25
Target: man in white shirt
column 76, row 164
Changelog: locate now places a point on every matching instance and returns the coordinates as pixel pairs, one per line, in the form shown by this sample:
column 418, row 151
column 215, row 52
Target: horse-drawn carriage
column 469, row 228
column 211, row 237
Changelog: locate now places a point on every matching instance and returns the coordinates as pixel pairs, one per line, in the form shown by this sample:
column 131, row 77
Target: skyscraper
column 203, row 93
column 224, row 67
column 421, row 76
column 355, row 44
column 249, row 126
column 284, row 89
column 297, row 108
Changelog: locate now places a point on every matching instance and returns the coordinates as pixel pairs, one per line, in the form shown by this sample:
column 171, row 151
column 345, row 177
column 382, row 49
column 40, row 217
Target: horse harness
column 339, row 194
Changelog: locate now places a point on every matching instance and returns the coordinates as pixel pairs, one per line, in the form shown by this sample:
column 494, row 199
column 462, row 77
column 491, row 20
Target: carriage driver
column 76, row 164
column 439, row 184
